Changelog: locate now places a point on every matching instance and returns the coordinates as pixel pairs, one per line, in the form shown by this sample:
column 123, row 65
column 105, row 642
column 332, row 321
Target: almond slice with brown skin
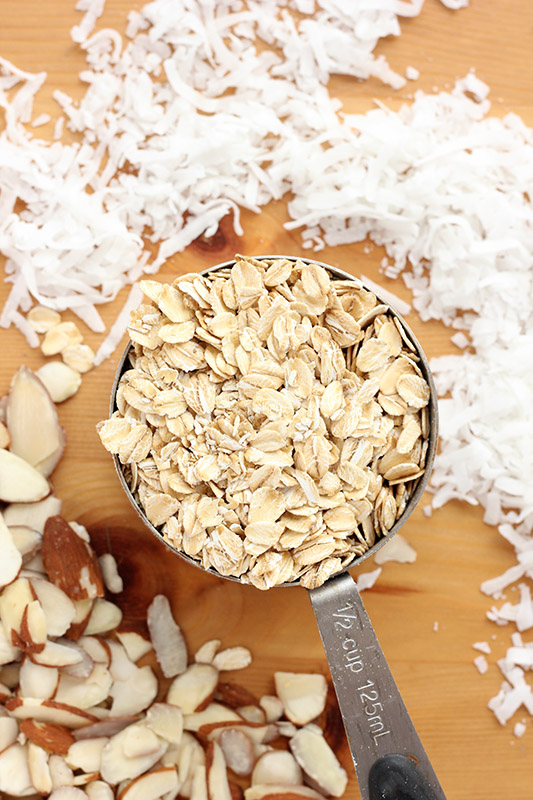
column 318, row 761
column 272, row 706
column 15, row 776
column 167, row 721
column 69, row 562
column 167, row 638
column 48, row 711
column 238, row 751
column 8, row 653
column 9, row 730
column 82, row 669
column 252, row 714
column 11, row 560
column 31, row 418
column 104, row 728
column 217, row 777
column 214, row 713
column 53, row 738
column 257, row 733
column 39, row 769
column 57, row 655
column 117, row 766
column 234, row 695
column 206, row 653
column 68, row 793
column 97, row 648
column 37, row 681
column 58, row 608
column 13, row 602
column 86, row 754
column 275, row 791
column 32, row 634
column 33, row 515
column 303, row 695
column 5, row 438
column 152, row 785
column 83, row 611
column 193, row 689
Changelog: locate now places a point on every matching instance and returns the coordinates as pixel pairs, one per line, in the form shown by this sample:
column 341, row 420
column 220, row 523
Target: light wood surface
column 475, row 758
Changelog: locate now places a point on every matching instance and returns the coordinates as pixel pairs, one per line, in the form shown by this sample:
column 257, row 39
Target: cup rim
column 422, row 482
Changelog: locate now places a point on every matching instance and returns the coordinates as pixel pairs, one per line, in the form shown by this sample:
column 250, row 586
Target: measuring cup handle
column 385, row 747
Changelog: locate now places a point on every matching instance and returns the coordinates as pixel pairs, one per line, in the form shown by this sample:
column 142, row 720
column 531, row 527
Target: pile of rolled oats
column 274, row 421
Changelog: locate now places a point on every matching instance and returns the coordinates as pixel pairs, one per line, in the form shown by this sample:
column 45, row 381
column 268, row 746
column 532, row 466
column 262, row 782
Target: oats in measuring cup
column 274, row 420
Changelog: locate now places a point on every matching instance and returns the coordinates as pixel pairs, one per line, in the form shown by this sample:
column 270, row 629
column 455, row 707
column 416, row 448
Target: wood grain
column 474, row 757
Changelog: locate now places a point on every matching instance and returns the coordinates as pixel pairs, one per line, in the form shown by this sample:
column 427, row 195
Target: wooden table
column 427, row 615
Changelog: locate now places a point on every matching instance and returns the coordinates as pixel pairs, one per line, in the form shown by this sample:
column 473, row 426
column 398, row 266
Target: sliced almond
column 55, row 654
column 167, row 721
column 5, row 438
column 187, row 757
column 99, row 790
column 68, row 793
column 37, row 681
column 134, row 694
column 31, row 417
column 105, row 616
column 193, row 689
column 206, row 653
column 39, row 769
column 19, row 481
column 217, row 777
column 13, row 602
column 167, row 638
column 140, row 741
column 252, row 713
column 82, row 669
column 15, row 776
column 104, row 728
column 112, row 580
column 121, row 666
column 9, row 730
column 117, row 766
column 257, row 733
column 154, row 784
column 86, row 754
column 87, row 692
column 318, row 761
column 214, row 713
column 198, row 784
column 276, row 791
column 272, row 706
column 27, row 541
column 235, row 696
column 136, row 646
column 60, row 380
column 53, row 738
column 32, row 634
column 60, row 772
column 8, row 652
column 48, row 711
column 277, row 766
column 232, row 658
column 97, row 649
column 32, row 515
column 58, row 608
column 238, row 751
column 83, row 611
column 303, row 695
column 69, row 562
column 5, row 692
column 11, row 560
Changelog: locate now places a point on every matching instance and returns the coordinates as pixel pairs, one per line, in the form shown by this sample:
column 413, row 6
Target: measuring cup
column 389, row 759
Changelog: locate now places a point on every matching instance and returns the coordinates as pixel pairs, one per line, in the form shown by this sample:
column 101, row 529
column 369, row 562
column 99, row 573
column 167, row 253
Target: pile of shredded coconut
column 189, row 119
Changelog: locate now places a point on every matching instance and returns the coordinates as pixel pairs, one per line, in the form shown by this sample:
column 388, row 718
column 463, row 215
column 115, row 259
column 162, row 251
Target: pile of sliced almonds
column 84, row 711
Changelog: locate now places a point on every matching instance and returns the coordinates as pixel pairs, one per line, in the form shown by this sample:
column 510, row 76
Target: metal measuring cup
column 389, row 759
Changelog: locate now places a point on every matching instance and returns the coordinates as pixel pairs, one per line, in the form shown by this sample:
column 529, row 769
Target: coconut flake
column 367, row 579
column 397, row 549
column 120, row 325
column 481, row 664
